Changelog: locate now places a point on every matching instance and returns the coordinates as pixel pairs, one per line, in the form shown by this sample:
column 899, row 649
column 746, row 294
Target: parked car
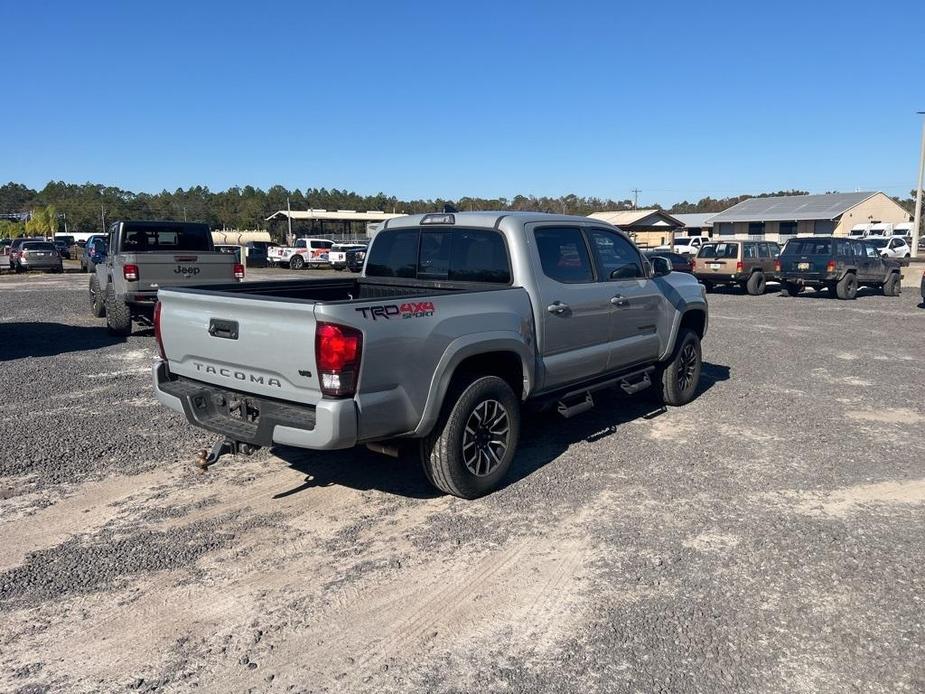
column 892, row 247
column 686, row 245
column 347, row 256
column 840, row 265
column 255, row 253
column 38, row 255
column 306, row 252
column 749, row 264
column 679, row 261
column 145, row 257
column 5, row 246
column 922, row 288
column 455, row 322
column 93, row 253
column 63, row 248
column 16, row 248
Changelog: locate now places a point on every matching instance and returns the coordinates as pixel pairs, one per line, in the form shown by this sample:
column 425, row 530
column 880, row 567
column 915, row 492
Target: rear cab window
column 174, row 237
column 434, row 253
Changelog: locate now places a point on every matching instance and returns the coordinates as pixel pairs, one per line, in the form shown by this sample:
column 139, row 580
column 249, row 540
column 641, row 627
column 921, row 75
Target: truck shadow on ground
column 810, row 293
column 21, row 340
column 544, row 437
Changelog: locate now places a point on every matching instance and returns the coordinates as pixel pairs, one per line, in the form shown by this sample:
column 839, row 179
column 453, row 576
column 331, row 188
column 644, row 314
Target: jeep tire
column 756, row 284
column 892, row 286
column 472, row 445
column 118, row 314
column 97, row 301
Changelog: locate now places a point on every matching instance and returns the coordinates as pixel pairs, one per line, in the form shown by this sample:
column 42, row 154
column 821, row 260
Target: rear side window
column 563, row 254
column 454, row 255
column 808, row 246
column 750, row 250
column 719, row 250
column 138, row 238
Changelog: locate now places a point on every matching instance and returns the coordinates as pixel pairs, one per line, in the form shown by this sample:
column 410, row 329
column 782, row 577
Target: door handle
column 619, row 300
column 557, row 307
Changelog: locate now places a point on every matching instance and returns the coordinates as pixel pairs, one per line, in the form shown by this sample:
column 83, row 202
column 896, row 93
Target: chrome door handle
column 557, row 307
column 619, row 300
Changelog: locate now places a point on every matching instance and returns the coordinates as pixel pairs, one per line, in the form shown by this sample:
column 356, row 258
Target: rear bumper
column 329, row 424
column 718, row 277
column 816, row 279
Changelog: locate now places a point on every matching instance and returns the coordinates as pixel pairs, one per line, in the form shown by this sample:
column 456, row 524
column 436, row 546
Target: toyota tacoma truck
column 457, row 322
column 145, row 257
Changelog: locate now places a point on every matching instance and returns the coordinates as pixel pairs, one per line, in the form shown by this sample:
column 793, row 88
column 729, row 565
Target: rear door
column 575, row 308
column 634, row 298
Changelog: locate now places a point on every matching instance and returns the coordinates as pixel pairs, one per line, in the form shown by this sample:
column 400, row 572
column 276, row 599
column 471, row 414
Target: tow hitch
column 222, row 447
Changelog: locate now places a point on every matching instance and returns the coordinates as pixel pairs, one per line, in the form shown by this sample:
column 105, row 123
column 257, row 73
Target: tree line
column 88, row 207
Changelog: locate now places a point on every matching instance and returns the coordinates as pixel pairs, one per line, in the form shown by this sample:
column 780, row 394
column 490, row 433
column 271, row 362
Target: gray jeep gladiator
column 457, row 321
column 144, row 257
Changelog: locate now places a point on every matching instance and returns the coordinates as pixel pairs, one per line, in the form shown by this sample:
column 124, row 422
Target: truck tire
column 756, row 284
column 892, row 286
column 792, row 288
column 296, row 262
column 680, row 377
column 97, row 302
column 847, row 287
column 118, row 315
column 472, row 445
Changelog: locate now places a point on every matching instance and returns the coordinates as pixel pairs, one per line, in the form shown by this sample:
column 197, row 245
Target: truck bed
column 338, row 290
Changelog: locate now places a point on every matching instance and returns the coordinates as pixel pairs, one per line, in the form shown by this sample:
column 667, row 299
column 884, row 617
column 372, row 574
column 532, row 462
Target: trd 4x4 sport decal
column 413, row 309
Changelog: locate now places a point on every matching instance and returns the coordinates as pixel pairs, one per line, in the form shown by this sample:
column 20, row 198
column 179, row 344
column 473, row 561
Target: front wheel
column 471, row 447
column 680, row 377
column 892, row 285
column 296, row 262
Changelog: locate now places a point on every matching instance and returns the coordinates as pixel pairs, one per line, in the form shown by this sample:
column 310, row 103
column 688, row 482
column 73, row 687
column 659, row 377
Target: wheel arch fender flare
column 695, row 313
column 463, row 348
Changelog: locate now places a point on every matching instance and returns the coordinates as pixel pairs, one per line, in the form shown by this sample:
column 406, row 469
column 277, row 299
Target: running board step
column 577, row 407
column 629, row 387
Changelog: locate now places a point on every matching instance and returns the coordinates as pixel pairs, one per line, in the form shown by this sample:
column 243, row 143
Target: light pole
column 916, row 229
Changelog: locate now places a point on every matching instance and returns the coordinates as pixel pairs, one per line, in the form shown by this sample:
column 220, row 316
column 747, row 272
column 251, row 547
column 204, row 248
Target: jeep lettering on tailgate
column 423, row 309
column 187, row 270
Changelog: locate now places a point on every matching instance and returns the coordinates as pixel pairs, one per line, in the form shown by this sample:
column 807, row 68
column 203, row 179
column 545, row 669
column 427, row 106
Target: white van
column 903, row 229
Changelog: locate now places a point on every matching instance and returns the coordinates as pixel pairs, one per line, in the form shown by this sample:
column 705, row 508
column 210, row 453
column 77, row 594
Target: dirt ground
column 768, row 537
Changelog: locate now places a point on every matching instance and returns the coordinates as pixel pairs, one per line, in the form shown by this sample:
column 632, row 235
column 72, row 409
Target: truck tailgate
column 157, row 270
column 254, row 345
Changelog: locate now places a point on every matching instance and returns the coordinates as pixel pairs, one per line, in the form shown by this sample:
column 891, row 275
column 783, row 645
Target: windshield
column 719, row 250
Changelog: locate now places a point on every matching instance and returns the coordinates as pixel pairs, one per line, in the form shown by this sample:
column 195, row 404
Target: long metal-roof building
column 784, row 216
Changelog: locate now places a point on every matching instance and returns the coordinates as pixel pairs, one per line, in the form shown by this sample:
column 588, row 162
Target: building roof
column 638, row 218
column 791, row 208
column 695, row 219
column 339, row 215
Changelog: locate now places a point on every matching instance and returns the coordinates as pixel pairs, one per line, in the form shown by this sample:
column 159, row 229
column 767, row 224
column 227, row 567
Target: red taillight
column 238, row 271
column 157, row 331
column 337, row 352
column 693, row 264
column 130, row 272
column 776, row 266
column 830, row 267
column 740, row 266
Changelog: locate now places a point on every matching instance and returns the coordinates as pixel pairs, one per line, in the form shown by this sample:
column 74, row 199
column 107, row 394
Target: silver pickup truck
column 456, row 322
column 145, row 257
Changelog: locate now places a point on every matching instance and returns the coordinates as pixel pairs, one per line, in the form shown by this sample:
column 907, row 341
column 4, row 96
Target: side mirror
column 660, row 266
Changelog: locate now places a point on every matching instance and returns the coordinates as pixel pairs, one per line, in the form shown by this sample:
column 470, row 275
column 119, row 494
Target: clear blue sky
column 425, row 99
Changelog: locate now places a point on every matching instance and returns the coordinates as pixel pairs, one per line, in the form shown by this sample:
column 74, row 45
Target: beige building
column 780, row 218
column 648, row 228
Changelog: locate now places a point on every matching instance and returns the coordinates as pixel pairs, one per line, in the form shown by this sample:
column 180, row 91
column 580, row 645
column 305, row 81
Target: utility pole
column 289, row 239
column 916, row 225
column 636, row 193
column 102, row 219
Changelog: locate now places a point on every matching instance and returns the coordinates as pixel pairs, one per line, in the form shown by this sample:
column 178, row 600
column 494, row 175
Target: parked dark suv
column 841, row 265
column 749, row 264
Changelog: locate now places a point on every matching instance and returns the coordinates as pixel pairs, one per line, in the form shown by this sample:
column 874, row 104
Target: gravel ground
column 770, row 536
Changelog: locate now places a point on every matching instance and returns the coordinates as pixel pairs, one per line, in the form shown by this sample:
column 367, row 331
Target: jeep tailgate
column 249, row 344
column 160, row 269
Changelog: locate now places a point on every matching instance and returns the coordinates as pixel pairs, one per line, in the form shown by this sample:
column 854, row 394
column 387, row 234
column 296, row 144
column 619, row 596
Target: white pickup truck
column 307, row 251
column 686, row 245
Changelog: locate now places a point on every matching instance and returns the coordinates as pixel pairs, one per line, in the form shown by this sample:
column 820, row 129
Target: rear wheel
column 296, row 262
column 471, row 447
column 118, row 314
column 847, row 287
column 892, row 286
column 680, row 377
column 756, row 284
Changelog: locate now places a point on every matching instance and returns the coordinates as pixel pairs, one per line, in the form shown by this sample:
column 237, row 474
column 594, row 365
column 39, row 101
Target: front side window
column 616, row 257
column 563, row 254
